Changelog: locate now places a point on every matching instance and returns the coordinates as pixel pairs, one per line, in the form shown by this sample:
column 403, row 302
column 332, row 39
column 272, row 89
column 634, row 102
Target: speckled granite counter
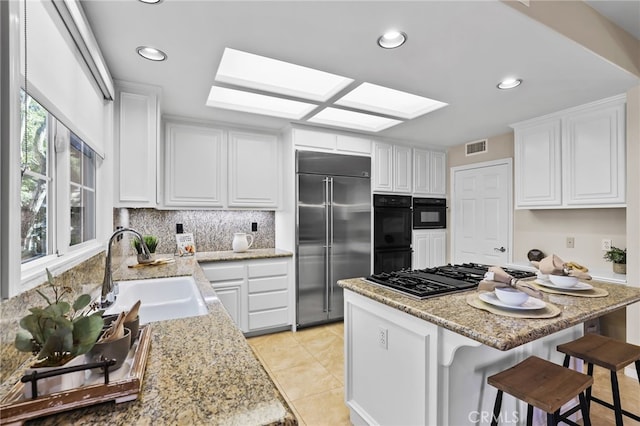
column 453, row 313
column 222, row 256
column 200, row 370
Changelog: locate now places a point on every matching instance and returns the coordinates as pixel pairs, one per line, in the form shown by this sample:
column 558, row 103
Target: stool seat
column 603, row 351
column 541, row 383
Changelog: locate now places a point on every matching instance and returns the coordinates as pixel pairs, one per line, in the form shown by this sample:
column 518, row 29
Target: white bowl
column 511, row 296
column 542, row 277
column 563, row 281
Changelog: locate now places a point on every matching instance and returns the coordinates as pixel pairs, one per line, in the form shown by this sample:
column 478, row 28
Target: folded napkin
column 497, row 277
column 553, row 265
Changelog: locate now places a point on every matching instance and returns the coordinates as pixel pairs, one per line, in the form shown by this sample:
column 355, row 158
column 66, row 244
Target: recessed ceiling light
column 151, row 53
column 353, row 120
column 271, row 75
column 509, row 83
column 239, row 100
column 374, row 98
column 392, row 39
column 150, row 1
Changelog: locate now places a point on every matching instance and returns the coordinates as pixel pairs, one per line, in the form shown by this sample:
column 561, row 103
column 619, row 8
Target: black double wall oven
column 392, row 226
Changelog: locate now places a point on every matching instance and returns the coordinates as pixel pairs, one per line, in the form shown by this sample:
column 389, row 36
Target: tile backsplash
column 212, row 229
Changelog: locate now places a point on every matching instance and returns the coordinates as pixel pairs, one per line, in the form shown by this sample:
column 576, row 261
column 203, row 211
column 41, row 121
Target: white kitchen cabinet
column 429, row 172
column 572, row 159
column 256, row 293
column 429, row 248
column 392, row 168
column 137, row 121
column 195, row 165
column 331, row 142
column 254, row 170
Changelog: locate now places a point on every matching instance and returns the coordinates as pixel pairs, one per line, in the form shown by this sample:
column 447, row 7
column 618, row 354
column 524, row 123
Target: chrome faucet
column 109, row 290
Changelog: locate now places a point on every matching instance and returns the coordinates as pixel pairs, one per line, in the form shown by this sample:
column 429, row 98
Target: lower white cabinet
column 429, row 248
column 255, row 293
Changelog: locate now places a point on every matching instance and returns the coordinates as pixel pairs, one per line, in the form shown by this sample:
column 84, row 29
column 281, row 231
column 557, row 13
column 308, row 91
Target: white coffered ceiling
column 457, row 51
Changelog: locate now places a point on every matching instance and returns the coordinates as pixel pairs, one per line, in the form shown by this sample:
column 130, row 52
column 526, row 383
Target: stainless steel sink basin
column 161, row 298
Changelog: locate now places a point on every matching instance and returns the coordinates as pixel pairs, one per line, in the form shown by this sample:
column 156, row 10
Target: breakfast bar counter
column 410, row 361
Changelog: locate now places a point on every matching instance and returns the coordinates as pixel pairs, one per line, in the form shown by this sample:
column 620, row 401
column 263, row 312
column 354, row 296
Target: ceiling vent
column 475, row 147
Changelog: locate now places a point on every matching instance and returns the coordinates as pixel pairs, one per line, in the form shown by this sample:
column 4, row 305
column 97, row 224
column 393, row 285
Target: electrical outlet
column 383, row 336
column 606, row 244
column 254, row 226
column 571, row 242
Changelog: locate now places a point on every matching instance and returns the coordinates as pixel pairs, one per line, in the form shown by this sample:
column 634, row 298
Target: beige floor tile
column 283, row 357
column 282, row 339
column 313, row 334
column 326, row 408
column 305, row 380
column 337, row 328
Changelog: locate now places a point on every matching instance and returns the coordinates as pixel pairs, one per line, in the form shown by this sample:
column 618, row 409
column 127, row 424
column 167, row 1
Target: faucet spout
column 109, row 290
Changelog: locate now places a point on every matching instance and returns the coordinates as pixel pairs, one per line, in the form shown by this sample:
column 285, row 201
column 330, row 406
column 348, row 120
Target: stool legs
column 584, row 408
column 496, row 408
column 616, row 398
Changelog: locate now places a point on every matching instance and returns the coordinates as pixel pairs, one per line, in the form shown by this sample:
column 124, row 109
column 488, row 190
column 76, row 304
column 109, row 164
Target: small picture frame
column 186, row 244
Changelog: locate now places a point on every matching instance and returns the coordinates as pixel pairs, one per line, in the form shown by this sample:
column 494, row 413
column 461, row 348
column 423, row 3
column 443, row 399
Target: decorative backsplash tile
column 212, row 229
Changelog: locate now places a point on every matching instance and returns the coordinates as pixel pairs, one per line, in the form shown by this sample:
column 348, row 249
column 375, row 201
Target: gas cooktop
column 430, row 282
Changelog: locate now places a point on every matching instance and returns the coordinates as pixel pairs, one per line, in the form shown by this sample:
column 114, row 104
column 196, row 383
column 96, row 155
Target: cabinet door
column 420, row 250
column 195, row 166
column 421, row 171
column 594, row 156
column 311, row 139
column 382, row 167
column 537, row 165
column 136, row 146
column 402, row 169
column 351, row 144
column 438, row 170
column 230, row 296
column 437, row 248
column 254, row 170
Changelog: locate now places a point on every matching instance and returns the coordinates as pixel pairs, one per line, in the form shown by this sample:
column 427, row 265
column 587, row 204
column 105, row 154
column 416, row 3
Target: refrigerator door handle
column 330, row 281
column 327, row 253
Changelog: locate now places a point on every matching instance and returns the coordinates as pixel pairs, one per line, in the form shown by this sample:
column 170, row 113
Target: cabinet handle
column 501, row 249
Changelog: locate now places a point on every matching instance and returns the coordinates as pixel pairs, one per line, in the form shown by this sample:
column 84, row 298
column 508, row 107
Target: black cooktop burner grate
column 430, row 282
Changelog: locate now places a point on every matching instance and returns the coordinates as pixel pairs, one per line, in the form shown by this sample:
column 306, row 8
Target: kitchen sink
column 161, row 298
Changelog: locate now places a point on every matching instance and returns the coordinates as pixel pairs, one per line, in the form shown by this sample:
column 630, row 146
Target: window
column 82, row 191
column 35, row 188
column 58, row 192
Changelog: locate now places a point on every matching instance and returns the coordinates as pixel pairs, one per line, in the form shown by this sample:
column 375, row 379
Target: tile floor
column 308, row 368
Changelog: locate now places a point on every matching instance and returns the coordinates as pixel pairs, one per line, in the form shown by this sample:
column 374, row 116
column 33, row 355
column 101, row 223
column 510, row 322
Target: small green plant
column 616, row 255
column 150, row 240
column 59, row 332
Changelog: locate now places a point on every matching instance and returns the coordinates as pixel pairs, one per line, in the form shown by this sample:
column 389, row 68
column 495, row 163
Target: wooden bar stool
column 544, row 385
column 607, row 353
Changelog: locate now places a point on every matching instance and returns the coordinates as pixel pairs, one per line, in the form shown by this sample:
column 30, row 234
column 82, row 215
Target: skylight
column 239, row 100
column 353, row 120
column 374, row 98
column 259, row 72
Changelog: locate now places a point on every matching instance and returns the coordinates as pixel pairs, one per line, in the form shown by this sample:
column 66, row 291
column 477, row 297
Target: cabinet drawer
column 266, row 319
column 223, row 273
column 268, row 269
column 259, row 302
column 259, row 285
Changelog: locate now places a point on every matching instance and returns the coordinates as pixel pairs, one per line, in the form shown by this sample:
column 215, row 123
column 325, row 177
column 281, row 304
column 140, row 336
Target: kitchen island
column 427, row 361
column 200, row 370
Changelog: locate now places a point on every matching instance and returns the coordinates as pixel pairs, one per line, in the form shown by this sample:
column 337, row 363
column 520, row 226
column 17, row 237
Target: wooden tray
column 123, row 386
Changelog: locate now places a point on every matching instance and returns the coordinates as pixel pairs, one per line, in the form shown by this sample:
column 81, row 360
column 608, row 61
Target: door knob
column 501, row 249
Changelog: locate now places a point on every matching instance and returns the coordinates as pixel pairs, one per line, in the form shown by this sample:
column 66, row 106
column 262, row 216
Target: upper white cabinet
column 195, row 166
column 254, row 170
column 137, row 121
column 429, row 248
column 572, row 159
column 331, row 142
column 392, row 168
column 429, row 172
column 212, row 167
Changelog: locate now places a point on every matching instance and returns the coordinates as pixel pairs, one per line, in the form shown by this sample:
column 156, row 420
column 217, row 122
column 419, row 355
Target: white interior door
column 482, row 213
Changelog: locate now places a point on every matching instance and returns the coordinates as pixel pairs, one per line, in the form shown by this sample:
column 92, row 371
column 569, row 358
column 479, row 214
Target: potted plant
column 619, row 258
column 152, row 243
column 57, row 334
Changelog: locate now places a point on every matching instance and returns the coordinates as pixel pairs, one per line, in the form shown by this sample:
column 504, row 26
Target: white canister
column 240, row 242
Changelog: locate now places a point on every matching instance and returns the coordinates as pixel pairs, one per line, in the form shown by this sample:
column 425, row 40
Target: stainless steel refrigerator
column 333, row 231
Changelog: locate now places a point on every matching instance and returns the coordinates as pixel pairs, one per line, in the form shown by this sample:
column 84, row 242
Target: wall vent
column 475, row 147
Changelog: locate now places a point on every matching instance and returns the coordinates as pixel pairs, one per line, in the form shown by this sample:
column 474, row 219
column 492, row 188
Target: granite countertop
column 200, row 370
column 453, row 313
column 251, row 254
